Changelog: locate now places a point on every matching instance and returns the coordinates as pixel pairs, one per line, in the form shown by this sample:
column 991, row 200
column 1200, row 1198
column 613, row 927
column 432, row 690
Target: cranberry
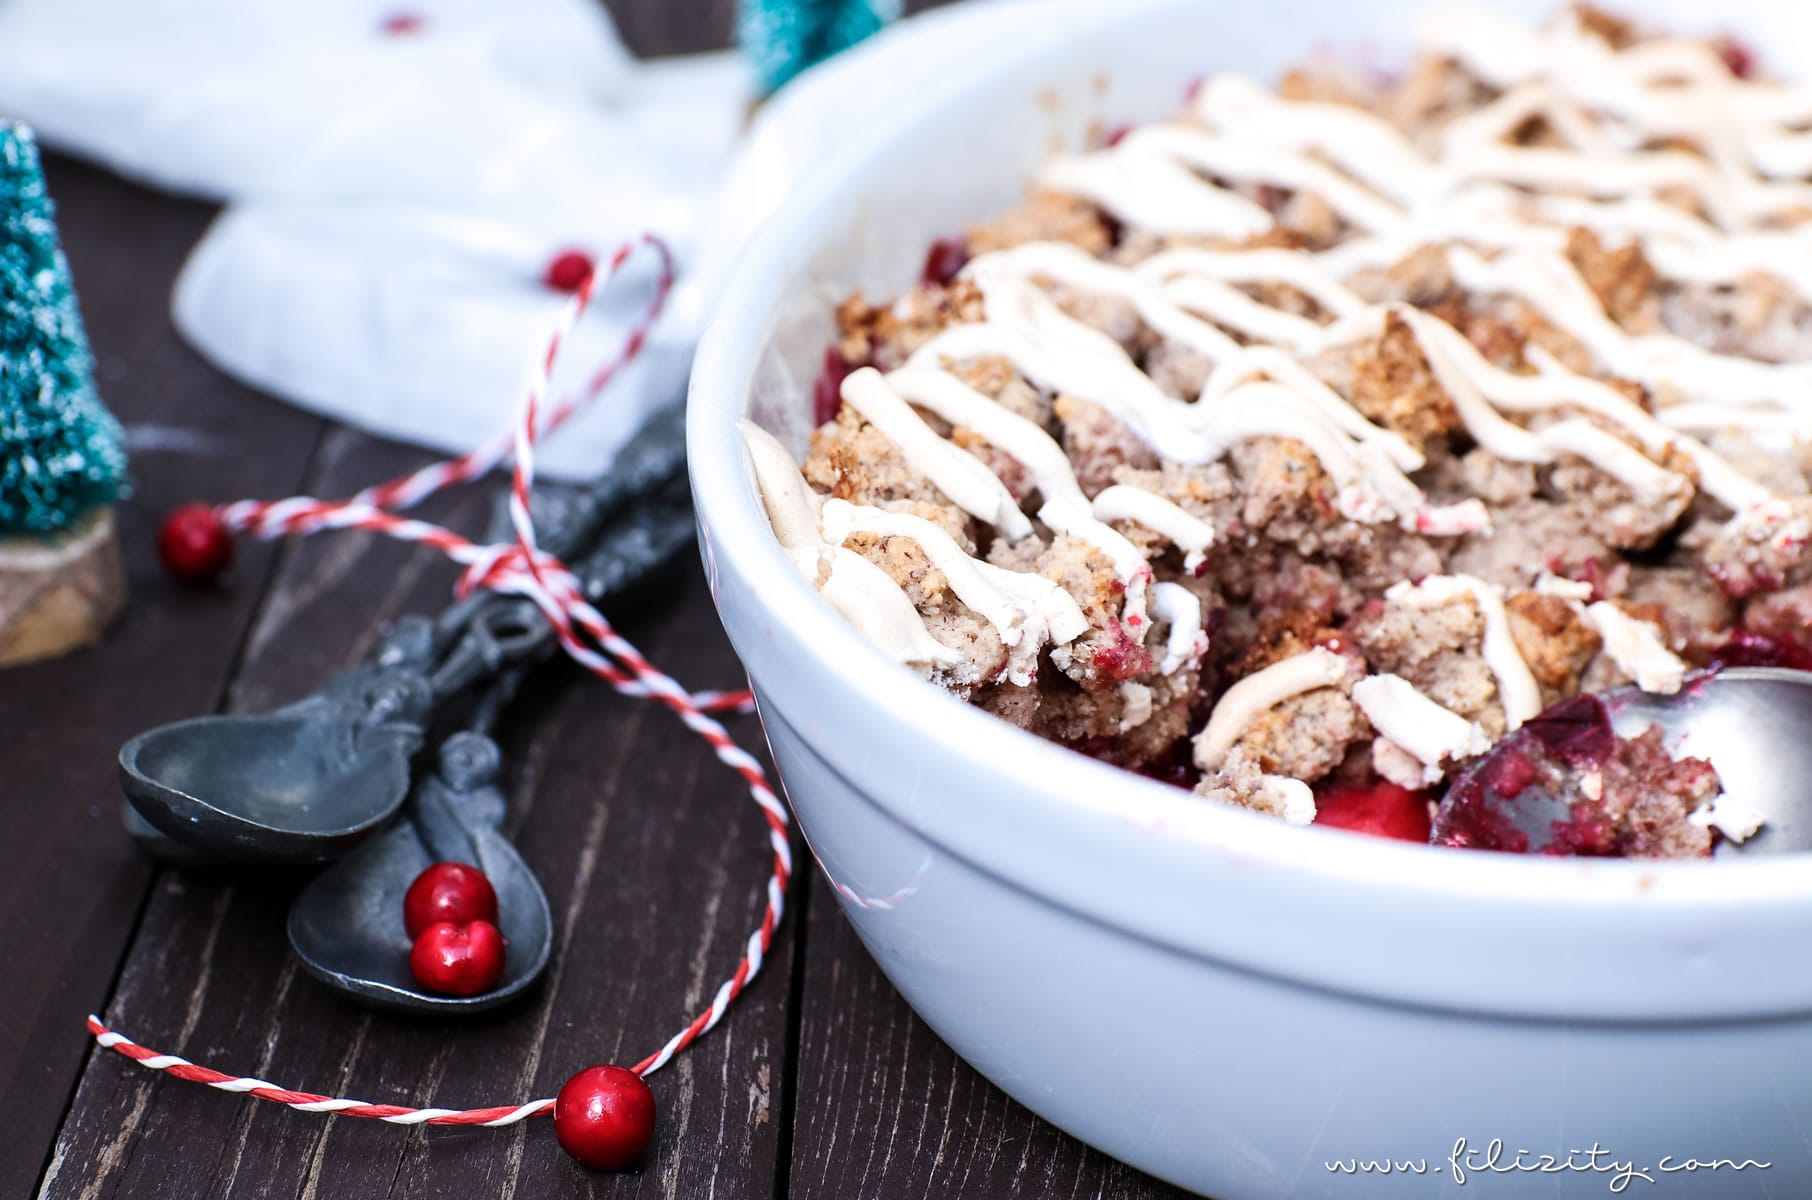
column 827, row 389
column 194, row 544
column 604, row 1117
column 1575, row 731
column 458, row 960
column 568, row 270
column 1738, row 57
column 1382, row 810
column 1747, row 648
column 1122, row 658
column 1606, row 581
column 946, row 257
column 401, row 23
column 448, row 891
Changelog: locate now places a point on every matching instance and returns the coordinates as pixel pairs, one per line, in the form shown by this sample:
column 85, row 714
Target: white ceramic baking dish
column 1222, row 1000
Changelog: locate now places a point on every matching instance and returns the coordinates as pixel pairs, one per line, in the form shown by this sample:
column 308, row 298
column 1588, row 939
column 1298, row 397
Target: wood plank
column 73, row 887
column 655, row 28
column 886, row 1110
column 654, row 872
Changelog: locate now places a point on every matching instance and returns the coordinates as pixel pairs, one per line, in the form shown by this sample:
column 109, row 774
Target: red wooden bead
column 448, row 891
column 568, row 271
column 604, row 1117
column 458, row 960
column 193, row 543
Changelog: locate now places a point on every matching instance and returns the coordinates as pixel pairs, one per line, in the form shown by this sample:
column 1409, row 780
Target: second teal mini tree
column 784, row 37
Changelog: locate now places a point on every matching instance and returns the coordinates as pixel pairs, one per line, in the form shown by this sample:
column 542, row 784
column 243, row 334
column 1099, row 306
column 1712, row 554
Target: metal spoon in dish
column 1753, row 724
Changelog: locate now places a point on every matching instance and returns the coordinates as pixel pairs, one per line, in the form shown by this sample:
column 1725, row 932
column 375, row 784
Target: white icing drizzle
column 1065, row 509
column 1187, row 640
column 1263, row 265
column 1135, row 705
column 959, row 475
column 1293, row 799
column 791, row 504
column 1261, row 691
column 1427, row 730
column 1062, row 354
column 1735, row 820
column 1028, row 611
column 1291, row 402
column 1516, row 688
column 1665, row 88
column 855, row 587
column 870, row 600
column 1608, row 105
column 1153, row 191
column 1188, row 532
column 1636, row 646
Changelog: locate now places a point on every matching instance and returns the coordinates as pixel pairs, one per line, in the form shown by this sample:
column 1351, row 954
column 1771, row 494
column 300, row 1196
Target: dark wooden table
column 821, row 1083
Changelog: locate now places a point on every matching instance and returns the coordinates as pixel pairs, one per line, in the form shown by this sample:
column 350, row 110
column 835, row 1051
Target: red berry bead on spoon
column 458, row 960
column 194, row 544
column 604, row 1117
column 453, row 892
column 568, row 271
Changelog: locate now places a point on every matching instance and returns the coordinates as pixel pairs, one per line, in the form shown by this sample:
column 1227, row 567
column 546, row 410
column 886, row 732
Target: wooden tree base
column 60, row 593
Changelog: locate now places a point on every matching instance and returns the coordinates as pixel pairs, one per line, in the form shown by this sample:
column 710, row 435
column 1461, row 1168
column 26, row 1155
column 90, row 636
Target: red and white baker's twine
column 521, row 568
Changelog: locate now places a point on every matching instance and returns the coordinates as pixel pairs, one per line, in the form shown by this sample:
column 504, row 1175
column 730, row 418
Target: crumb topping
column 1339, row 430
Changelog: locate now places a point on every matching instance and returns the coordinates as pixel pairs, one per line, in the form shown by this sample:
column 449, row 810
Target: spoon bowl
column 300, row 785
column 1752, row 724
column 347, row 925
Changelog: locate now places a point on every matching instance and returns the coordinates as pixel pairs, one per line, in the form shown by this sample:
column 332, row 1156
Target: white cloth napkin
column 395, row 196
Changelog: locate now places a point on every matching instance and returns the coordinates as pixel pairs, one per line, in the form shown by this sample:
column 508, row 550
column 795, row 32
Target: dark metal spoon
column 347, row 926
column 307, row 782
column 1748, row 722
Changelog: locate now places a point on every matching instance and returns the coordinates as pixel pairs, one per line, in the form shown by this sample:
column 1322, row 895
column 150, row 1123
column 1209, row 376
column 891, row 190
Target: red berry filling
column 1380, row 809
column 946, row 258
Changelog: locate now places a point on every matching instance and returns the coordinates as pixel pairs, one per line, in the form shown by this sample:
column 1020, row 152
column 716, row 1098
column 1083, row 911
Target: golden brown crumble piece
column 1393, row 386
column 1046, row 217
column 1553, row 639
column 1439, row 649
column 1621, row 278
column 1098, row 443
column 886, row 334
column 1306, row 736
column 1619, row 33
column 852, row 460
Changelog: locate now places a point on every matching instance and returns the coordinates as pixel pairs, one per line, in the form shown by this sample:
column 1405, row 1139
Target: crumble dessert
column 1306, row 446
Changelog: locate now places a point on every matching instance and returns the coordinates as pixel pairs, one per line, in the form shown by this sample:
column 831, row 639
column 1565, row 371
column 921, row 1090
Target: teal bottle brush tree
column 784, row 37
column 61, row 460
